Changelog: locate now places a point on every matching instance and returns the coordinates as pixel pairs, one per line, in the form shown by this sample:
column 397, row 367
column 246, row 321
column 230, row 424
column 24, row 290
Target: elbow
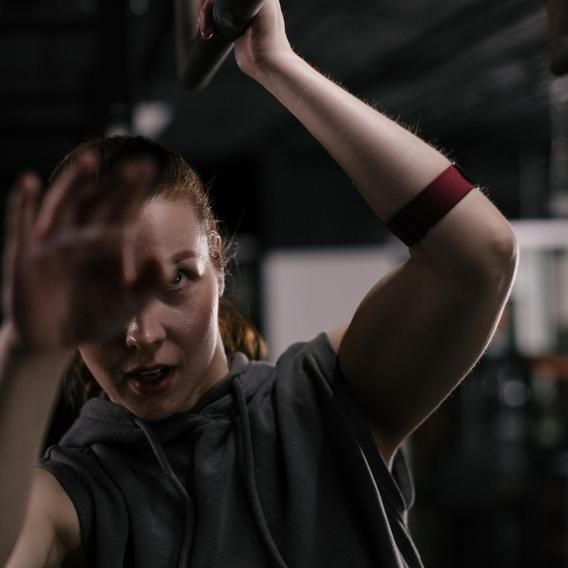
column 498, row 263
column 472, row 252
column 506, row 251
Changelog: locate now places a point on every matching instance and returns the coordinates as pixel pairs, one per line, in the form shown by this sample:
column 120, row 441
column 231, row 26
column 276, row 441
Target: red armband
column 418, row 216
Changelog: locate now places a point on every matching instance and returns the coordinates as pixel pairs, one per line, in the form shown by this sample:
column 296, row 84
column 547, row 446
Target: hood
column 103, row 422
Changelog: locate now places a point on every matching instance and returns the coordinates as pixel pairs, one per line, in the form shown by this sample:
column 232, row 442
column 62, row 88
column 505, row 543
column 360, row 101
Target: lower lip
column 153, row 388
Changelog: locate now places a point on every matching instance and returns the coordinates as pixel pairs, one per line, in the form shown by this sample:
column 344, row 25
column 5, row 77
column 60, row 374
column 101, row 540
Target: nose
column 145, row 330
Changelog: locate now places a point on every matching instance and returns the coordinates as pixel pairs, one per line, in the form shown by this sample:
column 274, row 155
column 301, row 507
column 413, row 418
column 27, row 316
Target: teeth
column 153, row 374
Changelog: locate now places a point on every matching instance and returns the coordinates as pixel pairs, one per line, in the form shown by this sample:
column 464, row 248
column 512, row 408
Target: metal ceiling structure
column 463, row 70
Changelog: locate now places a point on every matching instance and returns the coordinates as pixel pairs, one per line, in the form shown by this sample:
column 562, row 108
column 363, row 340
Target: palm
column 62, row 289
column 67, row 266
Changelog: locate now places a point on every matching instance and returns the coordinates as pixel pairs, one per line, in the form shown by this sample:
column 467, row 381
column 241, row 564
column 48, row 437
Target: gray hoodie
column 274, row 467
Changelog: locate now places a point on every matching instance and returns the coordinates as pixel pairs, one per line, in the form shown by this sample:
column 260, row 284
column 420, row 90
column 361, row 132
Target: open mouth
column 152, row 381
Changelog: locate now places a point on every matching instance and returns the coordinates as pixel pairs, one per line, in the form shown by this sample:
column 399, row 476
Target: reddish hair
column 175, row 179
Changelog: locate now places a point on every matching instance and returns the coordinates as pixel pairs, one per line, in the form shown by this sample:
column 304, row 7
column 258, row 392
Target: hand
column 264, row 40
column 69, row 270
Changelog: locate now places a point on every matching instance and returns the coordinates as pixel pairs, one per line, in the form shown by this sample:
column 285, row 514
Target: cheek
column 200, row 316
column 197, row 319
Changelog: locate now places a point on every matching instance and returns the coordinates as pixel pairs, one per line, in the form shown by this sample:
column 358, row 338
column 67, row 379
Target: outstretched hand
column 263, row 40
column 69, row 267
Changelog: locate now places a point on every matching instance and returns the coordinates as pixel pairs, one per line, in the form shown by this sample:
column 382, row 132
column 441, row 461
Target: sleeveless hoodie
column 275, row 467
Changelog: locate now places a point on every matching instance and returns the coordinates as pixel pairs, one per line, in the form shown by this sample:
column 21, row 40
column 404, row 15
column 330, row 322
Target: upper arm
column 416, row 335
column 51, row 527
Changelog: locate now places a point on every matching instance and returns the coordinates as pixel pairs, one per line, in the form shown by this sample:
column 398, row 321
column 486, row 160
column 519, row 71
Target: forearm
column 388, row 164
column 29, row 383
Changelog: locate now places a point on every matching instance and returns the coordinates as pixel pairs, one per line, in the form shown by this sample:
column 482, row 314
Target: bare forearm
column 388, row 164
column 28, row 387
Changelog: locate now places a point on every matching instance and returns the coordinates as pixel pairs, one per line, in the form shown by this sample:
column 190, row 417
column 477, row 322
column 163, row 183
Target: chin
column 152, row 399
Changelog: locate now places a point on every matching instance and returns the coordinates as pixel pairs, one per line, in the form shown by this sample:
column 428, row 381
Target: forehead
column 168, row 227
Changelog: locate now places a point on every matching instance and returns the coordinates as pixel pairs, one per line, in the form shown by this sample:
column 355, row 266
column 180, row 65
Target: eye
column 179, row 279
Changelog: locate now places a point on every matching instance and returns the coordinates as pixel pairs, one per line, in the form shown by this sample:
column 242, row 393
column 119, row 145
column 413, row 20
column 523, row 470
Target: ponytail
column 238, row 333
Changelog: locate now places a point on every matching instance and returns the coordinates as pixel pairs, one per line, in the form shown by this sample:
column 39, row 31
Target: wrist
column 270, row 64
column 15, row 348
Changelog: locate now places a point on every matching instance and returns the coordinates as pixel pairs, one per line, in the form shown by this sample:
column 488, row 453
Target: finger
column 30, row 188
column 205, row 23
column 128, row 257
column 13, row 207
column 139, row 178
column 21, row 209
column 120, row 195
column 19, row 216
column 67, row 213
column 151, row 278
column 64, row 193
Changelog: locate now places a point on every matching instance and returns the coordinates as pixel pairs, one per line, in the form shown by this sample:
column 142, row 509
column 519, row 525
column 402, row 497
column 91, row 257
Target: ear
column 215, row 243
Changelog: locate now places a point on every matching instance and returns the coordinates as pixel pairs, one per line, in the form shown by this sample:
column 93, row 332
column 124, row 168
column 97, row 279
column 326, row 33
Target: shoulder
column 322, row 347
column 312, row 362
column 51, row 531
column 62, row 510
column 306, row 373
column 303, row 376
column 335, row 336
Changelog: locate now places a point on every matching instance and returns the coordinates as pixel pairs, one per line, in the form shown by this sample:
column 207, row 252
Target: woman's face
column 171, row 352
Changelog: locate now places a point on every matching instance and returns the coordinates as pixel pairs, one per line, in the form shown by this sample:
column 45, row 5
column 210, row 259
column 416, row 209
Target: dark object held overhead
column 199, row 58
column 558, row 36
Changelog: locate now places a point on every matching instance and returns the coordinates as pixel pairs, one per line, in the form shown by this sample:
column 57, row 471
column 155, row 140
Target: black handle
column 232, row 17
column 199, row 59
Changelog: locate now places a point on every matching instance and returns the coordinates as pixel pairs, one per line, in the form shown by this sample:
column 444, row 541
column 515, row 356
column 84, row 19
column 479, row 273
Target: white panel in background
column 540, row 291
column 306, row 292
column 563, row 290
column 534, row 293
column 541, row 234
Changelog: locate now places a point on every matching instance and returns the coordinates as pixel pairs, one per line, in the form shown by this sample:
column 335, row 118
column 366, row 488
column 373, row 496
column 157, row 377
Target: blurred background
column 483, row 80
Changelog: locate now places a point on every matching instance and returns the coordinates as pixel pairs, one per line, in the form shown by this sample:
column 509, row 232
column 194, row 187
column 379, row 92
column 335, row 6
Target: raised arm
column 56, row 293
column 421, row 328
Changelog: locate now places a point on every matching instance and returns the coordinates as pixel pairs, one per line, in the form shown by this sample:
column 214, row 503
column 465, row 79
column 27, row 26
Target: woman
column 193, row 456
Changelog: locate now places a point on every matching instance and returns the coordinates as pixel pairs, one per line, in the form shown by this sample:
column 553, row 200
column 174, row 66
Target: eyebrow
column 183, row 254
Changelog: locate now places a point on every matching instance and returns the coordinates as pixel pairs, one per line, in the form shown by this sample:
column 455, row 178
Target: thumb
column 205, row 22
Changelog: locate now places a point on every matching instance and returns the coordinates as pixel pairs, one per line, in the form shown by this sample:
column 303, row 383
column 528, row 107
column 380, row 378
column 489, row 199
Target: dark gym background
column 472, row 76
